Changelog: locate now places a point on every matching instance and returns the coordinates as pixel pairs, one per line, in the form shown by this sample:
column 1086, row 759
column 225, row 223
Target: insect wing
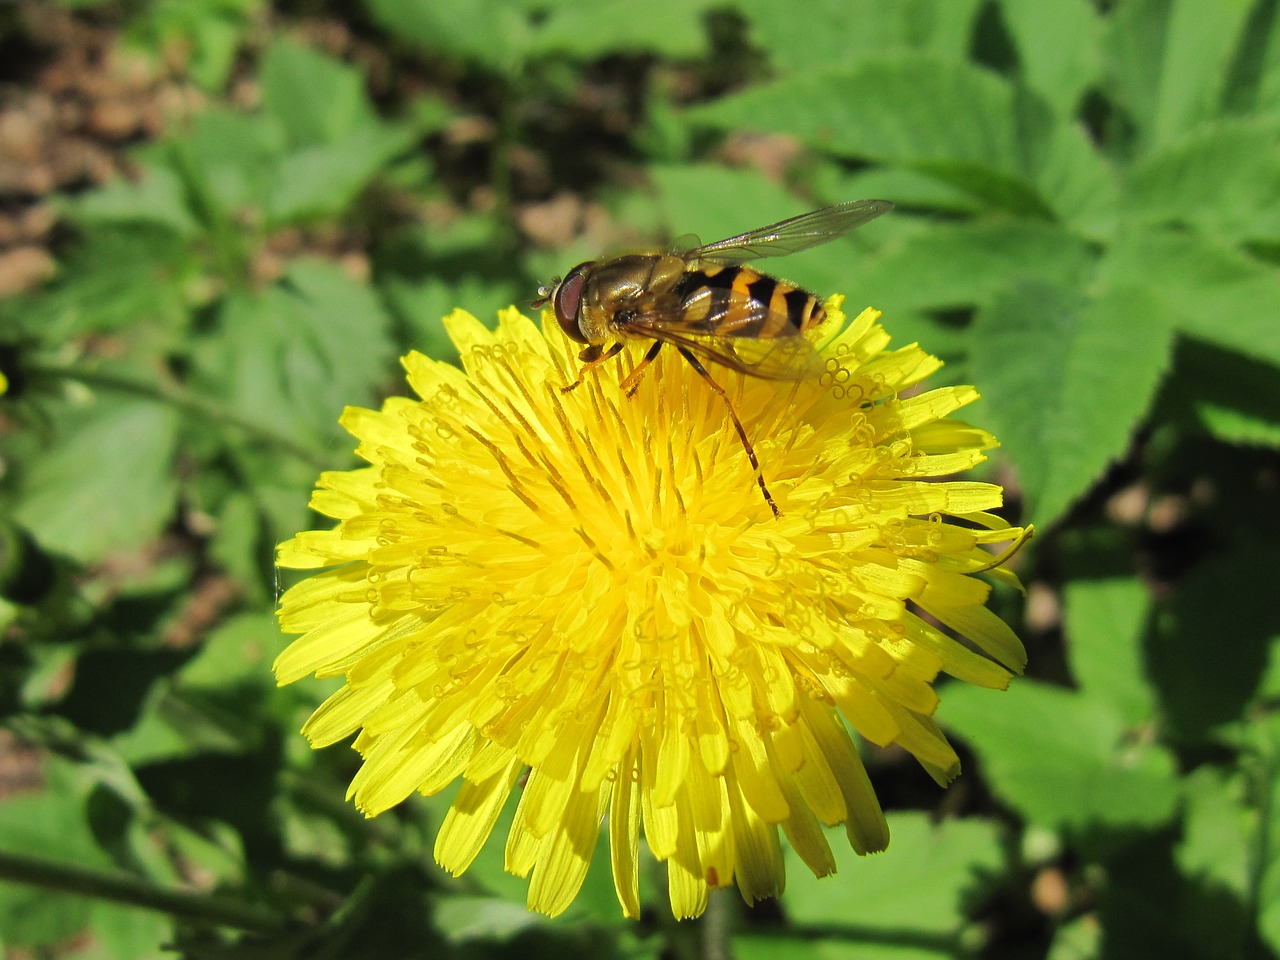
column 726, row 336
column 783, row 358
column 790, row 236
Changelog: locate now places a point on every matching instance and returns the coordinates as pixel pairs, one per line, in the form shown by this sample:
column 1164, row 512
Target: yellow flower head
column 591, row 588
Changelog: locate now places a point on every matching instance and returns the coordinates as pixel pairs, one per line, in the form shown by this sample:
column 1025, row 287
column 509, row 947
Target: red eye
column 567, row 299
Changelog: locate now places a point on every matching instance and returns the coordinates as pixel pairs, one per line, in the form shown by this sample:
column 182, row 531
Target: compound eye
column 567, row 298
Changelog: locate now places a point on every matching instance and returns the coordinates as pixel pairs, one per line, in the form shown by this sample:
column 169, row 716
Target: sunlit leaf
column 107, row 484
column 1066, row 382
column 1062, row 758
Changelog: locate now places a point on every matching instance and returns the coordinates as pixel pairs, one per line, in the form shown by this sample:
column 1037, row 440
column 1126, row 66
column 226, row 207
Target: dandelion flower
column 581, row 598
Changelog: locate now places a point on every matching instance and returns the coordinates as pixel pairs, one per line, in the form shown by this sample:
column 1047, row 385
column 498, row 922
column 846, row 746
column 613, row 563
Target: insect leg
column 742, row 434
column 632, row 381
column 592, row 357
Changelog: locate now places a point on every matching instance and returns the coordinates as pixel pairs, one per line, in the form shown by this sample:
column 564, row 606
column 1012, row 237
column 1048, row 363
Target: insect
column 706, row 303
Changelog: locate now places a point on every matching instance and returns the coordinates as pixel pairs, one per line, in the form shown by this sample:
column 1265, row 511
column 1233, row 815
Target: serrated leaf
column 315, row 99
column 1208, row 289
column 1066, row 381
column 917, row 887
column 961, row 125
column 228, row 161
column 1223, row 178
column 965, row 265
column 1106, row 623
column 118, row 277
column 157, row 196
column 291, row 358
column 818, row 34
column 902, row 108
column 1063, row 759
column 1171, row 60
column 322, row 180
column 1058, row 47
column 106, row 485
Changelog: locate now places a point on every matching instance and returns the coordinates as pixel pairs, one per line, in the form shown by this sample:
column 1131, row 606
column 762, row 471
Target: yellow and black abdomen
column 738, row 301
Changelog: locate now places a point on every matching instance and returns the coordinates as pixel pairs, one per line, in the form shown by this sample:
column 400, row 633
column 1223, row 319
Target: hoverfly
column 705, row 303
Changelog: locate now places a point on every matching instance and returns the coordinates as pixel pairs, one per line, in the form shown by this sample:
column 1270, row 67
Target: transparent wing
column 783, row 358
column 789, row 236
column 738, row 333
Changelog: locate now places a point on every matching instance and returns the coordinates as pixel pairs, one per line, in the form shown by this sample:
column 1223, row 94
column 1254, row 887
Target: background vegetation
column 222, row 220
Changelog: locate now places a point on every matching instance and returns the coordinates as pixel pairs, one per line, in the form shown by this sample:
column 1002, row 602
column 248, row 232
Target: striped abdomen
column 737, row 301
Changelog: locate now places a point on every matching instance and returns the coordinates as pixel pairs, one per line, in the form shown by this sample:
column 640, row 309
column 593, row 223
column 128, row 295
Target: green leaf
column 464, row 918
column 1171, row 61
column 1105, row 624
column 713, row 202
column 51, row 824
column 891, row 945
column 817, row 34
column 1063, row 759
column 315, row 99
column 1230, row 396
column 1079, row 939
column 1058, row 47
column 157, row 197
column 1067, row 381
column 214, row 702
column 1223, row 178
column 945, row 266
column 114, row 931
column 291, row 358
column 227, row 163
column 424, row 305
column 1203, row 685
column 119, row 277
column 208, row 33
column 908, row 188
column 905, row 108
column 106, row 485
column 916, row 888
column 324, row 179
column 1218, row 831
column 959, row 124
column 1209, row 290
column 1267, row 734
column 669, row 28
column 491, row 33
column 1147, row 908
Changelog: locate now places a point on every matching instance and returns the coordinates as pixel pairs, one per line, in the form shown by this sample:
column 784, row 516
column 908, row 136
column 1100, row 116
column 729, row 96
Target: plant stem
column 187, row 402
column 118, row 888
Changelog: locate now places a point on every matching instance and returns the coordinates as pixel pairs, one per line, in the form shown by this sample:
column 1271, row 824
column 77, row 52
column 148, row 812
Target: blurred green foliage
column 1088, row 228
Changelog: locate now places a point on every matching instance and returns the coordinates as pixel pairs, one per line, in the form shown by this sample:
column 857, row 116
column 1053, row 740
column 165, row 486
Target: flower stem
column 117, row 888
column 186, row 402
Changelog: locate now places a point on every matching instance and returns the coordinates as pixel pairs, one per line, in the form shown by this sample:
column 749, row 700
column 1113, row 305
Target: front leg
column 632, row 381
column 592, row 356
